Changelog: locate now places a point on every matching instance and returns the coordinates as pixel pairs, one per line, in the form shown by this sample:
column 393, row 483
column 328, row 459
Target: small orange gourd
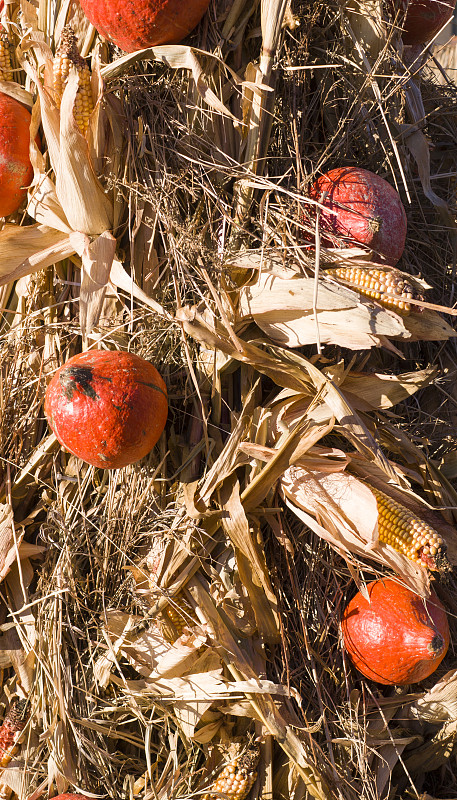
column 395, row 637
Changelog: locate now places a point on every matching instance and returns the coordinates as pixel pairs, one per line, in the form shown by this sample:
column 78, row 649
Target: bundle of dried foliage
column 182, row 614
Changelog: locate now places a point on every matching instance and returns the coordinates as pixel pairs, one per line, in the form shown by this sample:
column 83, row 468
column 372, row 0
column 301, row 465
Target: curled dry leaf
column 380, row 391
column 12, row 547
column 97, row 258
column 439, row 704
column 147, row 650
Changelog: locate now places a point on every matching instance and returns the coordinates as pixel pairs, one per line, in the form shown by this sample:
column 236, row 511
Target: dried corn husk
column 284, row 309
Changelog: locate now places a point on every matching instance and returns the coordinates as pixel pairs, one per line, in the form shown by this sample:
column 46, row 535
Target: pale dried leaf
column 24, row 250
column 339, row 495
column 429, row 327
column 180, row 657
column 143, row 648
column 43, row 203
column 352, row 422
column 61, row 765
column 97, row 258
column 285, row 371
column 380, row 391
column 283, row 309
column 16, row 91
column 439, row 704
column 10, row 539
column 83, row 199
column 251, row 561
column 50, row 116
column 120, row 279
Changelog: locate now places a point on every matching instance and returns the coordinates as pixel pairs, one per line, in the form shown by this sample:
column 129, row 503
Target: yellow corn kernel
column 409, row 534
column 236, row 779
column 67, row 57
column 176, row 617
column 387, row 287
column 178, row 614
column 6, row 70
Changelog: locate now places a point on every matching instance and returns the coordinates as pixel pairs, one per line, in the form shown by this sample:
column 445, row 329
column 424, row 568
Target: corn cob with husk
column 237, row 778
column 178, row 614
column 388, row 287
column 11, row 730
column 67, row 57
column 408, row 534
column 6, row 69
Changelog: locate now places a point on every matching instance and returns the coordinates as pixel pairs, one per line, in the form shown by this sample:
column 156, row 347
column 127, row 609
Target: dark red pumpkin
column 397, row 637
column 107, row 407
column 15, row 168
column 424, row 18
column 363, row 209
column 136, row 24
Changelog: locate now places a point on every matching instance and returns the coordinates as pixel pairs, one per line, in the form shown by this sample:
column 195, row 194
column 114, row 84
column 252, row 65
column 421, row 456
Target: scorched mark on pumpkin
column 78, row 378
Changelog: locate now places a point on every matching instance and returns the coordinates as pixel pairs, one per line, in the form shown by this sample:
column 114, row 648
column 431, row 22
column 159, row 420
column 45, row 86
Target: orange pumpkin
column 136, row 24
column 15, row 168
column 396, row 637
column 107, row 407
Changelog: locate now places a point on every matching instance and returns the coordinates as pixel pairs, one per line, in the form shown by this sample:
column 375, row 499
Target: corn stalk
column 272, row 15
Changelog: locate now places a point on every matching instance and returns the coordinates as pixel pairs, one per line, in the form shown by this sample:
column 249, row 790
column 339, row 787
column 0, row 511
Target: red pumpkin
column 397, row 637
column 136, row 24
column 15, row 168
column 71, row 796
column 107, row 407
column 424, row 18
column 363, row 209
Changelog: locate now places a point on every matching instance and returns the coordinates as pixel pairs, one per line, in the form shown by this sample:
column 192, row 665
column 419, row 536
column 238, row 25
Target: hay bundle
column 180, row 617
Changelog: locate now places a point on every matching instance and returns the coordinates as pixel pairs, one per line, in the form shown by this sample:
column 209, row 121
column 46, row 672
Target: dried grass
column 117, row 710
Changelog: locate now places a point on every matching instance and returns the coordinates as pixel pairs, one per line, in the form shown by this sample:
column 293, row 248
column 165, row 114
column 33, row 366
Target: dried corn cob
column 409, row 534
column 11, row 730
column 178, row 613
column 66, row 57
column 237, row 777
column 6, row 70
column 175, row 618
column 377, row 283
